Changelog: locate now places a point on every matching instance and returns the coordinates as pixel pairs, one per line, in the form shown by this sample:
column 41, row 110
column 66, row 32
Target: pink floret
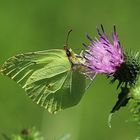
column 102, row 56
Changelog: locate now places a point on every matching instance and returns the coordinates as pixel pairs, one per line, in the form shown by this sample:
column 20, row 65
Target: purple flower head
column 102, row 56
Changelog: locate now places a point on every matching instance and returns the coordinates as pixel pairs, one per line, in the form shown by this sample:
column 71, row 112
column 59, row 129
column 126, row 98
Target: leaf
column 138, row 138
column 47, row 77
column 123, row 99
column 134, row 106
column 5, row 136
column 28, row 134
column 65, row 137
column 135, row 90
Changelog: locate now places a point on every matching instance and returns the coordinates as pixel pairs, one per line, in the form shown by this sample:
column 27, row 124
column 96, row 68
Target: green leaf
column 28, row 134
column 5, row 136
column 65, row 137
column 47, row 77
column 123, row 99
column 135, row 90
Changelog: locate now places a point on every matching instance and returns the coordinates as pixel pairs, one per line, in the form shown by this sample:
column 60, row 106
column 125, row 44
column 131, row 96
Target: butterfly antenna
column 67, row 39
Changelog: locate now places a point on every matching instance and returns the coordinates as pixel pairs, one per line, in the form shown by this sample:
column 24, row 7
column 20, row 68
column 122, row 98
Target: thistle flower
column 102, row 56
column 107, row 57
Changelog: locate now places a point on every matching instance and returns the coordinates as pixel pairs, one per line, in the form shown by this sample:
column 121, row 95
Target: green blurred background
column 32, row 25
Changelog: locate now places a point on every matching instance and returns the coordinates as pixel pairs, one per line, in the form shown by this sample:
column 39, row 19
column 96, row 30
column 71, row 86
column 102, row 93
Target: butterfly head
column 69, row 51
column 70, row 54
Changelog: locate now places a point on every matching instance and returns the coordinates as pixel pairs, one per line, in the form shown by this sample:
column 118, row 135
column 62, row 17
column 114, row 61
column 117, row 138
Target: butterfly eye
column 68, row 53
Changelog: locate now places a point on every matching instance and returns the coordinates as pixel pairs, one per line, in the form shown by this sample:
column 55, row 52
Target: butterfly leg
column 91, row 81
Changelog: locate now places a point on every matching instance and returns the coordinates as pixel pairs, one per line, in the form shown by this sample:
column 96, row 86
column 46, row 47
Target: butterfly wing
column 46, row 76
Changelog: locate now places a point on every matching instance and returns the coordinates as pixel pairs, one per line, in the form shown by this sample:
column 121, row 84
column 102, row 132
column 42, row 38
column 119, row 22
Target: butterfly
column 49, row 77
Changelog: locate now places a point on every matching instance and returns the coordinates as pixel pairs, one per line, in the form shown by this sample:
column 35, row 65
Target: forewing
column 40, row 74
column 31, row 67
column 47, row 78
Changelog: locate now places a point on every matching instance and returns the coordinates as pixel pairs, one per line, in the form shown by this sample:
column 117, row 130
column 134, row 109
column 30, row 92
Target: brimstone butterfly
column 49, row 77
